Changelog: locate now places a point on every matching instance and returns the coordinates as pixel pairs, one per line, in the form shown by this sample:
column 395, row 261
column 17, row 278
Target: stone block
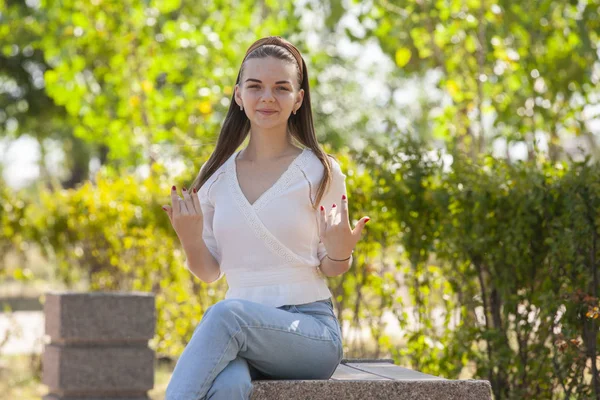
column 98, row 369
column 99, row 316
column 98, row 346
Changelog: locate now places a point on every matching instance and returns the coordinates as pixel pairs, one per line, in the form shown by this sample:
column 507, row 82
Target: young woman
column 273, row 218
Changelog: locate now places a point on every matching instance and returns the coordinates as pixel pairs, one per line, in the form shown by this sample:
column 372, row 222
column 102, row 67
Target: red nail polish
column 184, row 189
column 194, row 190
column 343, row 197
column 367, row 220
column 173, row 188
column 333, row 205
column 322, row 208
column 164, row 208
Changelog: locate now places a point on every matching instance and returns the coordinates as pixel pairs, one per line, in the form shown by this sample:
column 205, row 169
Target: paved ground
column 26, row 333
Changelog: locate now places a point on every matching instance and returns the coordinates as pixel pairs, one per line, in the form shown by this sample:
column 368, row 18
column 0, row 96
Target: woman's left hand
column 335, row 231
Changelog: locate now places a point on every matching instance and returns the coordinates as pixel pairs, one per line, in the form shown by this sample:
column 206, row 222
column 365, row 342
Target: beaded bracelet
column 345, row 259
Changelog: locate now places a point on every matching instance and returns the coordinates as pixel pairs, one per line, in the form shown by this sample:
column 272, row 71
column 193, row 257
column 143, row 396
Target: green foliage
column 13, row 235
column 528, row 67
column 113, row 236
column 162, row 76
column 128, row 91
column 500, row 261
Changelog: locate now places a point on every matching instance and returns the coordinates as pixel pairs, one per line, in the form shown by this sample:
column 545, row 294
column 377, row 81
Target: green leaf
column 402, row 56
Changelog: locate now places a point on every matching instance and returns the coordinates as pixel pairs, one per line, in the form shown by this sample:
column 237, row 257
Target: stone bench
column 98, row 350
column 373, row 379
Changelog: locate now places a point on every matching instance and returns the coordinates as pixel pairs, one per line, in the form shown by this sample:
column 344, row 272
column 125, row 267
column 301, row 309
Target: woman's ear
column 299, row 99
column 237, row 95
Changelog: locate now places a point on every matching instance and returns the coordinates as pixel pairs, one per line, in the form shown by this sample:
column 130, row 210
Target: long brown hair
column 236, row 126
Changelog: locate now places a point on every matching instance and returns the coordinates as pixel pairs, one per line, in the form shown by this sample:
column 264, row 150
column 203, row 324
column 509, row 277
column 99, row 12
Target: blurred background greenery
column 468, row 131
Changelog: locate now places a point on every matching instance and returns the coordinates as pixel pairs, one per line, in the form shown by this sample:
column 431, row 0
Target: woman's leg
column 278, row 343
column 233, row 383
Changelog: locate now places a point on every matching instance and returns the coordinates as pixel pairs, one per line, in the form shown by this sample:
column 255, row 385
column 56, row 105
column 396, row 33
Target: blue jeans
column 238, row 341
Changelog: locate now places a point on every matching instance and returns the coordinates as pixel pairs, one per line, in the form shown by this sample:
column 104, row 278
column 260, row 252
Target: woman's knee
column 227, row 306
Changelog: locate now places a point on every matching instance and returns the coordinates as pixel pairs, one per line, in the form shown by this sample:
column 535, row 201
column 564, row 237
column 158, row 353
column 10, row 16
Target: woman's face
column 268, row 91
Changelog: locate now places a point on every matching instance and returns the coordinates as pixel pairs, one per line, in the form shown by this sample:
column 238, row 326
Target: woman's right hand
column 185, row 216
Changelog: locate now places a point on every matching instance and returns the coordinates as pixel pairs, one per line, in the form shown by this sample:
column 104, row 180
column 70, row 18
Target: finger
column 189, row 202
column 169, row 211
column 344, row 210
column 175, row 202
column 322, row 222
column 184, row 209
column 360, row 225
column 196, row 198
column 332, row 214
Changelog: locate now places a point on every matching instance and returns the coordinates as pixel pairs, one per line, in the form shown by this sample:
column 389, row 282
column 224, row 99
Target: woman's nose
column 267, row 95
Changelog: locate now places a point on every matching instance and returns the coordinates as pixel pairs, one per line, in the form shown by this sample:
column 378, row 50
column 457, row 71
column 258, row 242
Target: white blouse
column 270, row 251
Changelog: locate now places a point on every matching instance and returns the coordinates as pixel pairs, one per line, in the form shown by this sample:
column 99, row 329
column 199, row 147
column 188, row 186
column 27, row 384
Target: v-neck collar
column 272, row 191
column 250, row 212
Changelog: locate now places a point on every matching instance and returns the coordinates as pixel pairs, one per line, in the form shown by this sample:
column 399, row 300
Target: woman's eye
column 258, row 87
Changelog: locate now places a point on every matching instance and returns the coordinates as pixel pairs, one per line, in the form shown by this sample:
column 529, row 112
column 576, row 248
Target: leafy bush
column 509, row 252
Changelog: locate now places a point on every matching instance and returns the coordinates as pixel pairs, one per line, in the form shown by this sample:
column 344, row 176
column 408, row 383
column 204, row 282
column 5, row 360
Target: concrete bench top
column 373, row 379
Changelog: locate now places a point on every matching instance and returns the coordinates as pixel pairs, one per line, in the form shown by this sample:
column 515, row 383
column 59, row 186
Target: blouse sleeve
column 208, row 212
column 337, row 187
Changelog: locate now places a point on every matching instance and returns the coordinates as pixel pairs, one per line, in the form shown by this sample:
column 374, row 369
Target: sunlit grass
column 19, row 377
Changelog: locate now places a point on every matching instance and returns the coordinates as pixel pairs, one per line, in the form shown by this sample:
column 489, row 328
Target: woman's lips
column 267, row 112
